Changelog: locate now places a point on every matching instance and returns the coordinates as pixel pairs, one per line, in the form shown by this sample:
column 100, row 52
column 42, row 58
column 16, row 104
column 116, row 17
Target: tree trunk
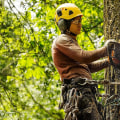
column 112, row 31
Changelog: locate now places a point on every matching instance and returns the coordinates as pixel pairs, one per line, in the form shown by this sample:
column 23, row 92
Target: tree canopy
column 29, row 82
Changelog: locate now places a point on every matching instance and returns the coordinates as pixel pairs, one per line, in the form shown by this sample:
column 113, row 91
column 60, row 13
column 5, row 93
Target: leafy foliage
column 29, row 82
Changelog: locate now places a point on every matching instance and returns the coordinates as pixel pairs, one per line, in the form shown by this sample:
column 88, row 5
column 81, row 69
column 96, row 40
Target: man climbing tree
column 76, row 65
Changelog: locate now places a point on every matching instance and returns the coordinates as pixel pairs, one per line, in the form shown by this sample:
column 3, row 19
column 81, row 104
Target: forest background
column 29, row 83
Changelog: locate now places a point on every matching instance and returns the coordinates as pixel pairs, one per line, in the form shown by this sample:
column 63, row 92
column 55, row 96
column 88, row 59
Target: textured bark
column 112, row 31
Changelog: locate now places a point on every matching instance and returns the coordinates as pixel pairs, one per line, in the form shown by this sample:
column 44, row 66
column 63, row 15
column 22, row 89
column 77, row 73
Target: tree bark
column 112, row 31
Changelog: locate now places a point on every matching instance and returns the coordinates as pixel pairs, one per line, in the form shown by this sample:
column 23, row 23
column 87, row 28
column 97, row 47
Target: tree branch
column 89, row 37
column 32, row 30
column 90, row 28
column 86, row 32
column 94, row 4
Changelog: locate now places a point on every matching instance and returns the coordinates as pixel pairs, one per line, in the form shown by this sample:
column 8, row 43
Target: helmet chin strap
column 71, row 33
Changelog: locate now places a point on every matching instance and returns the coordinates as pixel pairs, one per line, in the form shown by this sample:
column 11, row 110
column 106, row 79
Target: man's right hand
column 109, row 42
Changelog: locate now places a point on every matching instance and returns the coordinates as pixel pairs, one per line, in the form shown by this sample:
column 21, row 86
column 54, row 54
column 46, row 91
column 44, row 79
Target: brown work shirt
column 71, row 61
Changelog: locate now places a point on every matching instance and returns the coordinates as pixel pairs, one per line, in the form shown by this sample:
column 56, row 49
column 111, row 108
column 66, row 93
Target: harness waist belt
column 74, row 81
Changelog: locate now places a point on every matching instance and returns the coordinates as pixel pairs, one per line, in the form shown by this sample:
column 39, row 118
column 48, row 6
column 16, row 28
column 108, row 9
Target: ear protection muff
column 62, row 24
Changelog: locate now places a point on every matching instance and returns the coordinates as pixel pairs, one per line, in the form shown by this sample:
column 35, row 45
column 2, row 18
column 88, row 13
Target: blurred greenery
column 29, row 82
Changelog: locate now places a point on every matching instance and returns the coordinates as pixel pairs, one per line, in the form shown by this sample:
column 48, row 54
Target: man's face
column 76, row 25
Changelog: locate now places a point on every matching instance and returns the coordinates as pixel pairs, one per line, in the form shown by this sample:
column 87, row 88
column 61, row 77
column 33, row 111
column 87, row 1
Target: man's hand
column 109, row 42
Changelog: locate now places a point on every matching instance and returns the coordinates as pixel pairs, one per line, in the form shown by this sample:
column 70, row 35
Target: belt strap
column 78, row 81
column 74, row 80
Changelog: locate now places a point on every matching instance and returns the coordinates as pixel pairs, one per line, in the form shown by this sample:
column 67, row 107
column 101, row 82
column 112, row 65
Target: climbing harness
column 79, row 100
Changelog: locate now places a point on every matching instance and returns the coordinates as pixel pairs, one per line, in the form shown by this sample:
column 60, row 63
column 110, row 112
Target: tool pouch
column 78, row 100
